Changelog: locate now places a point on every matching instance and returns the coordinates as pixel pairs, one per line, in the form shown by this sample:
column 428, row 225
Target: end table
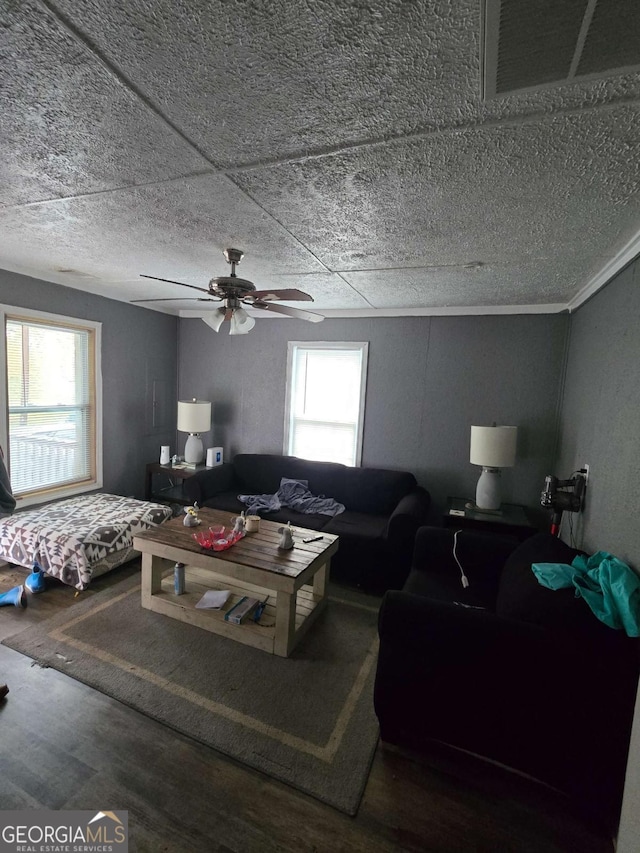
column 174, row 492
column 511, row 519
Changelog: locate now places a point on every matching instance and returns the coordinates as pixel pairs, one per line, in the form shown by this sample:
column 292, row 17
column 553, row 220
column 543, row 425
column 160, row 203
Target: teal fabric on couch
column 609, row 586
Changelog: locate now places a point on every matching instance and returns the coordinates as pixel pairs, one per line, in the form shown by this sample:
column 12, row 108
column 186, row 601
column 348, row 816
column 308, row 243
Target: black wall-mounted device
column 563, row 496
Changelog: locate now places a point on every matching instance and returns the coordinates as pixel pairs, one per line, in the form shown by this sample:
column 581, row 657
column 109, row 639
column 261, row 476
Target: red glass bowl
column 217, row 538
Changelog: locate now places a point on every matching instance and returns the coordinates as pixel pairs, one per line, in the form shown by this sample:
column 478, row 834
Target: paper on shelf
column 213, row 599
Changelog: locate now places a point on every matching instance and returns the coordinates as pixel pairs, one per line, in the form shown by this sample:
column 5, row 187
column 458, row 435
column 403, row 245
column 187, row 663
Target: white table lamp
column 493, row 448
column 194, row 417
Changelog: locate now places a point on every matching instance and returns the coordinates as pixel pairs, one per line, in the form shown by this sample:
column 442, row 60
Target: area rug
column 306, row 720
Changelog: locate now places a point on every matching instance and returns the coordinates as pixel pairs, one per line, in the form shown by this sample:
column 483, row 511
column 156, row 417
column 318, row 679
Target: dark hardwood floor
column 64, row 745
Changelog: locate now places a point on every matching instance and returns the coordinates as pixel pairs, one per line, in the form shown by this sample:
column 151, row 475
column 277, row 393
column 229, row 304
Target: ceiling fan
column 235, row 292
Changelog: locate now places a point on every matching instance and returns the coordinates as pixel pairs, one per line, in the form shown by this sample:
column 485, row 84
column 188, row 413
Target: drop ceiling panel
column 248, row 82
column 68, row 125
column 502, row 194
column 174, row 230
column 446, row 287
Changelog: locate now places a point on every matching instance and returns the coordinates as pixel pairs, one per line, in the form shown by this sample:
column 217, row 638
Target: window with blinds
column 324, row 411
column 53, row 405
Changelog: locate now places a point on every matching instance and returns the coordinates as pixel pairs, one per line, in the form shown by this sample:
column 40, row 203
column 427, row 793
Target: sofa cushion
column 448, row 588
column 376, row 490
column 227, row 502
column 326, row 479
column 313, row 521
column 260, row 473
column 350, row 524
column 522, row 597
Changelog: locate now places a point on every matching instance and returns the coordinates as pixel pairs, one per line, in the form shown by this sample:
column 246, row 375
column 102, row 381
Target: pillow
column 522, row 597
column 261, row 473
column 376, row 491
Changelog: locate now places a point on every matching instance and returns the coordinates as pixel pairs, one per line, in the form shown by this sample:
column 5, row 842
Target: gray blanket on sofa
column 294, row 494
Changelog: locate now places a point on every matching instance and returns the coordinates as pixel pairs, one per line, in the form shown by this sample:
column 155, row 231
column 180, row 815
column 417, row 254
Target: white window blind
column 325, row 401
column 52, row 406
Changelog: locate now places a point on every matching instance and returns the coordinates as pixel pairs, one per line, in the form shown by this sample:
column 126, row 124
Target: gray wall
column 429, row 379
column 600, row 426
column 138, row 350
column 599, row 416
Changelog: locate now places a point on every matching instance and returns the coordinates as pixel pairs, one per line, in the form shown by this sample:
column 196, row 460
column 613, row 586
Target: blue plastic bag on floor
column 609, row 586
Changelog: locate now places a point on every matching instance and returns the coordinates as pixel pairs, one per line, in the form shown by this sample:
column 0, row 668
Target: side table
column 174, row 491
column 511, row 519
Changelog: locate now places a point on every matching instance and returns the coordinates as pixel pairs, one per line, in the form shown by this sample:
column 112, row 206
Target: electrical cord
column 463, row 578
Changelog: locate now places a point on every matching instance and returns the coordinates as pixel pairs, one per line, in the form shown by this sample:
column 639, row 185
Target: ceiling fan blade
column 170, row 281
column 290, row 312
column 178, row 299
column 292, row 295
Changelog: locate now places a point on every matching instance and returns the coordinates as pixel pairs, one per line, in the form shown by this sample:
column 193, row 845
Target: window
column 324, row 410
column 50, row 387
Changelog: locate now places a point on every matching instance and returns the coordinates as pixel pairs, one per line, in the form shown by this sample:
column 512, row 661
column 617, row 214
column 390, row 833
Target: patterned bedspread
column 69, row 537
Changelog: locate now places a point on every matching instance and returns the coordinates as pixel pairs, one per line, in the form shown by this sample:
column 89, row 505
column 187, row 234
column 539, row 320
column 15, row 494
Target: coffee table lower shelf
column 270, row 635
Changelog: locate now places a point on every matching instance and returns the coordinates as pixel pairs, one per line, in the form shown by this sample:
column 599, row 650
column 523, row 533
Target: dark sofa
column 507, row 669
column 383, row 510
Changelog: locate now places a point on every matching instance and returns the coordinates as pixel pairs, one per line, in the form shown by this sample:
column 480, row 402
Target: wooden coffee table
column 295, row 581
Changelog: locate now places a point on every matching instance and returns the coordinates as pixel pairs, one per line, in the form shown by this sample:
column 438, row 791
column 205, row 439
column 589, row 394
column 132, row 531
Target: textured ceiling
column 344, row 146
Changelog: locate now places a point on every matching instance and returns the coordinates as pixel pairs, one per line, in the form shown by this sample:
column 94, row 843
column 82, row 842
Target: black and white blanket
column 70, row 537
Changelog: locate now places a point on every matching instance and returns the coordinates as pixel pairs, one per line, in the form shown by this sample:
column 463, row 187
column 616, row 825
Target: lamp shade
column 194, row 415
column 494, row 446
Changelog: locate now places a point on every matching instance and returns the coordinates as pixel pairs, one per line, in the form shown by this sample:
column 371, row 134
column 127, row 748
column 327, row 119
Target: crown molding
column 628, row 252
column 374, row 313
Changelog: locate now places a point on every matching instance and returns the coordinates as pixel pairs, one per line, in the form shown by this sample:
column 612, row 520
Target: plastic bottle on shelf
column 178, row 578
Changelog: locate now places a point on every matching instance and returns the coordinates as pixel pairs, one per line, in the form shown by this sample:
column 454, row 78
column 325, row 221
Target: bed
column 78, row 539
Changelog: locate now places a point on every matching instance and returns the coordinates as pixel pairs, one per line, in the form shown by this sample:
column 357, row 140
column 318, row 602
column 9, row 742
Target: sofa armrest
column 209, row 482
column 482, row 555
column 410, row 514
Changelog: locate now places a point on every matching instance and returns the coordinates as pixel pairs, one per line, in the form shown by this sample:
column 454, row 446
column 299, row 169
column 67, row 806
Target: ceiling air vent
column 530, row 44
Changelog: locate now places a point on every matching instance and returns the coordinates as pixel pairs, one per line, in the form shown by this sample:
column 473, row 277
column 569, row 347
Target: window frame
column 292, row 348
column 17, row 313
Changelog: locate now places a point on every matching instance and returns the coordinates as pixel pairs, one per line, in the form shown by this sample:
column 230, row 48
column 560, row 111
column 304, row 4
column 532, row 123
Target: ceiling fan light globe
column 215, row 319
column 241, row 322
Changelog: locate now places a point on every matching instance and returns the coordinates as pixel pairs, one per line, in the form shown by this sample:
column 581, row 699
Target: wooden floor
column 64, row 745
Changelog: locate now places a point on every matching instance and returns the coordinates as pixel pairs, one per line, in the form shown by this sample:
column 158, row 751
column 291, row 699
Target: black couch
column 377, row 529
column 507, row 669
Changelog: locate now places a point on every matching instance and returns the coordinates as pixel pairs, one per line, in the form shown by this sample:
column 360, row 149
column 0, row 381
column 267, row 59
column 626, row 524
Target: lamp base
column 488, row 489
column 193, row 449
